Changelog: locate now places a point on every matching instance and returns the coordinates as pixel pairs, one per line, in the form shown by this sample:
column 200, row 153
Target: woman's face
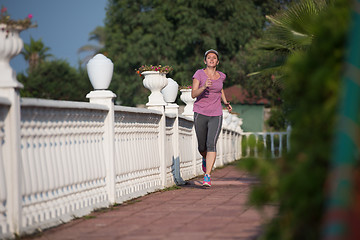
column 211, row 60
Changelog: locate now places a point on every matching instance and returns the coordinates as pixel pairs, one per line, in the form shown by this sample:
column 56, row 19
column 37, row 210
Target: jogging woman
column 208, row 90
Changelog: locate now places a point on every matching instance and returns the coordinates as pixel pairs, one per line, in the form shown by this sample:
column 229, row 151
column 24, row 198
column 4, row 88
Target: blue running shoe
column 204, row 164
column 207, row 181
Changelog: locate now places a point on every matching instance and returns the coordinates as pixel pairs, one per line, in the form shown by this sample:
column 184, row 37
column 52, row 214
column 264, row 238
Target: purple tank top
column 208, row 103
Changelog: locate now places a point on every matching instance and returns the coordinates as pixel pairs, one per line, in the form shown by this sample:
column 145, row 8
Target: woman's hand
column 208, row 83
column 228, row 106
column 197, row 90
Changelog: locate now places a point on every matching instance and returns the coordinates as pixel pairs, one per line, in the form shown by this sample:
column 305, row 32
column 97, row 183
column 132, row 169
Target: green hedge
column 297, row 182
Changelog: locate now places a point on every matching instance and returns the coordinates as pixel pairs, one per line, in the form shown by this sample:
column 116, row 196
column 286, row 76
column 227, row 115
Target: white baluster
column 272, row 145
column 280, row 144
column 288, row 132
column 256, row 145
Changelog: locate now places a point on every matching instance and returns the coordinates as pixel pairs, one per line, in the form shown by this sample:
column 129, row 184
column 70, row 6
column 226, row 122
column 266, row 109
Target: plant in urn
column 154, row 80
column 10, row 45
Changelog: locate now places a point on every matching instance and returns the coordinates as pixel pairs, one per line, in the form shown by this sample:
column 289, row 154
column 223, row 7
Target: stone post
column 100, row 70
column 162, row 136
column 174, row 108
column 12, row 156
column 105, row 97
column 10, row 46
column 156, row 102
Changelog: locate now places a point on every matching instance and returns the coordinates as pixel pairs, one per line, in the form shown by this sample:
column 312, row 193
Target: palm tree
column 98, row 34
column 290, row 30
column 35, row 53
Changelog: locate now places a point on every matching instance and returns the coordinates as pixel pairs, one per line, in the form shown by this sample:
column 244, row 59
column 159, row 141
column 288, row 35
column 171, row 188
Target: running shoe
column 204, row 164
column 207, row 181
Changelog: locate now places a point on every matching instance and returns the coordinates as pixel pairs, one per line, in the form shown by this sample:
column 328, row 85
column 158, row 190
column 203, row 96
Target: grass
column 174, row 187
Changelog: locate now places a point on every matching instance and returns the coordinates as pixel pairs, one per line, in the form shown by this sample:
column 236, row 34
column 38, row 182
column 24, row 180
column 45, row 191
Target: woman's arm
column 197, row 90
column 226, row 103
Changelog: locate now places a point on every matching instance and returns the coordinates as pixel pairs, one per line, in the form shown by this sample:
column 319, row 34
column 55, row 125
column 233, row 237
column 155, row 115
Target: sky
column 63, row 25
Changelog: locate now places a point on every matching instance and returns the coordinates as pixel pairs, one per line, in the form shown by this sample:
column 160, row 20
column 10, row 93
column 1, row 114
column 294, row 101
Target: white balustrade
column 63, row 157
column 61, row 145
column 266, row 142
column 187, row 148
column 137, row 162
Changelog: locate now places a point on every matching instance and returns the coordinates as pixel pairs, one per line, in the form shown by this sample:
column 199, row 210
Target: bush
column 297, row 182
column 277, row 120
column 55, row 80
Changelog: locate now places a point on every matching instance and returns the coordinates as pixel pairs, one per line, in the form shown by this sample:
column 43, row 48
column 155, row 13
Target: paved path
column 190, row 212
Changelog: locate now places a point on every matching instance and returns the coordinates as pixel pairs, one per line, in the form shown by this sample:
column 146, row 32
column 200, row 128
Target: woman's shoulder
column 198, row 73
column 222, row 75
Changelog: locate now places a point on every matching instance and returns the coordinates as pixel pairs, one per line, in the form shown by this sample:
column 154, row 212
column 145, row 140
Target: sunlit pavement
column 191, row 212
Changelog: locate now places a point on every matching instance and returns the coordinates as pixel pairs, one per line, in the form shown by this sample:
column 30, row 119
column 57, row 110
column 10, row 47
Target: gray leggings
column 207, row 130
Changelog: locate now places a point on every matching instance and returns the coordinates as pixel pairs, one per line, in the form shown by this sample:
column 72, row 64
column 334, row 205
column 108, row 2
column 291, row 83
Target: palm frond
column 293, row 28
column 98, row 34
column 89, row 48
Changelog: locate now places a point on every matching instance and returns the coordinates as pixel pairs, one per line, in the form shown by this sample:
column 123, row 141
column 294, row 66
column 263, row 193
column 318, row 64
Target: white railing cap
column 186, row 118
column 135, row 110
column 170, row 115
column 4, row 101
column 37, row 102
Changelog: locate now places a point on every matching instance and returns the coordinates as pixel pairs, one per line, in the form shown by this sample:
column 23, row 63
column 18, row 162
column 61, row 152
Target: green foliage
column 265, row 84
column 35, row 53
column 260, row 145
column 313, row 86
column 174, row 187
column 265, row 170
column 98, row 35
column 55, row 80
column 177, row 33
column 269, row 7
column 20, row 24
column 290, row 31
column 162, row 69
column 277, row 119
column 293, row 29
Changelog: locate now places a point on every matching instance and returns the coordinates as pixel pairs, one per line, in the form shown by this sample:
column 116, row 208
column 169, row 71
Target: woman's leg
column 214, row 128
column 201, row 130
column 210, row 160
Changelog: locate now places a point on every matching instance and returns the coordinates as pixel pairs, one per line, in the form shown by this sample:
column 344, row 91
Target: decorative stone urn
column 188, row 100
column 170, row 91
column 155, row 82
column 228, row 119
column 234, row 122
column 238, row 128
column 100, row 71
column 225, row 117
column 10, row 46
